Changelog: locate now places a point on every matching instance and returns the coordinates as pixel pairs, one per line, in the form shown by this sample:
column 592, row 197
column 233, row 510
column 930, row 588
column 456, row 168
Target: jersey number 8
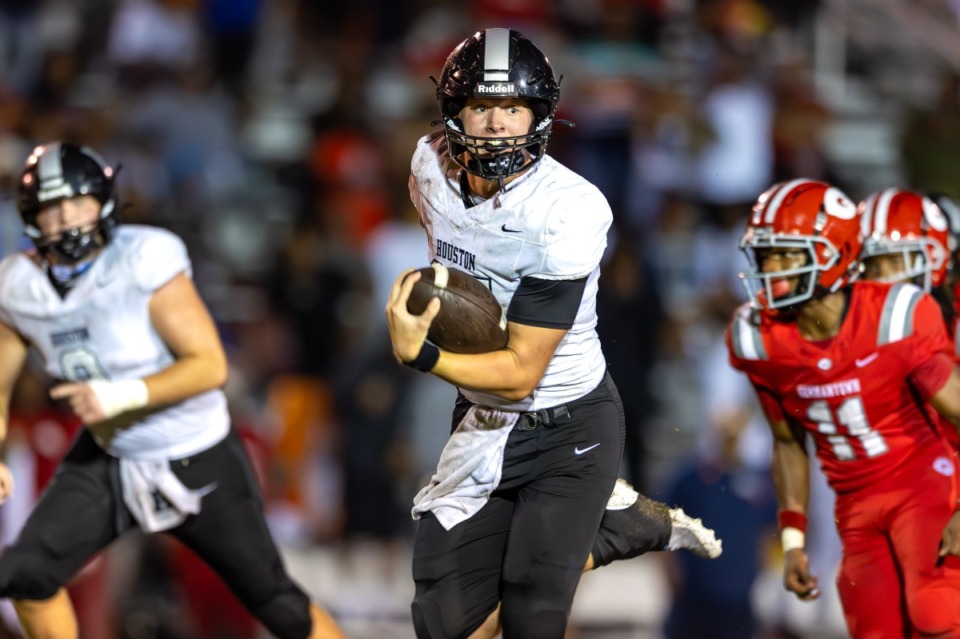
column 81, row 365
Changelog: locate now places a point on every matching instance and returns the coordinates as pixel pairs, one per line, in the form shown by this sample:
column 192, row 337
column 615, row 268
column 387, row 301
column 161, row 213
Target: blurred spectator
column 155, row 34
column 348, row 167
column 303, row 473
column 736, row 162
column 799, row 124
column 231, row 26
column 667, row 133
column 369, row 395
column 22, row 52
column 712, row 598
column 629, row 312
column 313, row 287
column 12, row 152
column 931, row 141
column 391, row 247
column 189, row 123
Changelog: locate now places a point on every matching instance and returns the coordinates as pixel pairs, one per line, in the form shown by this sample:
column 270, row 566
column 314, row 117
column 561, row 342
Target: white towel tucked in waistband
column 157, row 499
column 469, row 469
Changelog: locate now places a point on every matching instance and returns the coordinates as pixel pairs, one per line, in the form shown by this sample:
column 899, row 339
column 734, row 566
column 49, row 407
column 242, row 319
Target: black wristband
column 426, row 359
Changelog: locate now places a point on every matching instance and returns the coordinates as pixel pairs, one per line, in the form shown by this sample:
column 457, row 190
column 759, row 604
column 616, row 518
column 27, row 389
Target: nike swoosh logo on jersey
column 866, row 360
column 506, row 230
column 579, row 451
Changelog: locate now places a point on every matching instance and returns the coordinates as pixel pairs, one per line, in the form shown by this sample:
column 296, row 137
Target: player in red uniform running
column 908, row 239
column 856, row 366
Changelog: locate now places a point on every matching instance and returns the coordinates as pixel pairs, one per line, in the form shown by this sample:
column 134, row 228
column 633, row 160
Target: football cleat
column 633, row 524
column 689, row 533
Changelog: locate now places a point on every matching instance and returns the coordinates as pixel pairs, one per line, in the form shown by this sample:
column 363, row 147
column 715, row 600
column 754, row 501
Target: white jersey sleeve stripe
column 956, row 339
column 896, row 320
column 747, row 341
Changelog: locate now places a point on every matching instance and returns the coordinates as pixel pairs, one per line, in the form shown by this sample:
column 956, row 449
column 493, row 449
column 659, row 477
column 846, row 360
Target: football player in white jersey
column 116, row 318
column 512, row 515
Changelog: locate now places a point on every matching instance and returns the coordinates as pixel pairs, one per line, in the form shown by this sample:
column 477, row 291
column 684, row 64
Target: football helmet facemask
column 57, row 171
column 898, row 222
column 497, row 63
column 808, row 216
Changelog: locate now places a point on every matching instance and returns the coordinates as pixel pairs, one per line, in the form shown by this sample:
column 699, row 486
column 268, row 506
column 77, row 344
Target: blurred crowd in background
column 275, row 136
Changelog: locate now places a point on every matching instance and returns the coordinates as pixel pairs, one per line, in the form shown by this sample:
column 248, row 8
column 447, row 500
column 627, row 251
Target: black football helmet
column 499, row 63
column 57, row 171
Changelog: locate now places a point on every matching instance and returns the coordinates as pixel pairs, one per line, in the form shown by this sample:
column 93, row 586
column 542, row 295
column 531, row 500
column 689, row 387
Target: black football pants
column 527, row 546
column 82, row 511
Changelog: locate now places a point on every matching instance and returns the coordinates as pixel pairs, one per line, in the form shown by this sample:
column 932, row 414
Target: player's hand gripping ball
column 470, row 319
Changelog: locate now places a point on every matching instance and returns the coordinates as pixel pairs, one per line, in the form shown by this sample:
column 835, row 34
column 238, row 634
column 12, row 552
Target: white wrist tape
column 119, row 396
column 792, row 538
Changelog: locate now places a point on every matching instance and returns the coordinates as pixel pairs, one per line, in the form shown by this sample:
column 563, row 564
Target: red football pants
column 889, row 582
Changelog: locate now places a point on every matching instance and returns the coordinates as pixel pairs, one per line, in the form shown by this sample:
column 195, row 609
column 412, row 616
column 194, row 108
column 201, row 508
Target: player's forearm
column 501, row 373
column 791, row 475
column 190, row 375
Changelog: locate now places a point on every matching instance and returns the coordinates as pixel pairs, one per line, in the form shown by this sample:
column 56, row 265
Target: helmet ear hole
column 451, row 107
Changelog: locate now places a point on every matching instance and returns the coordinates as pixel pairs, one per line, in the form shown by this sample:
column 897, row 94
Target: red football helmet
column 804, row 215
column 908, row 223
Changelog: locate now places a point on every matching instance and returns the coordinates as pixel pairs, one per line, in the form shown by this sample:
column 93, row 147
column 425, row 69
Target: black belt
column 544, row 417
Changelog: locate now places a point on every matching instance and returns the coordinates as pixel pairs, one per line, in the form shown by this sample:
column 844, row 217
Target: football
column 470, row 318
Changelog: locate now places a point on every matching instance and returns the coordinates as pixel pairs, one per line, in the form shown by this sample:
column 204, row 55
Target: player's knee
column 433, row 621
column 285, row 613
column 22, row 577
column 425, row 617
column 545, row 624
column 932, row 610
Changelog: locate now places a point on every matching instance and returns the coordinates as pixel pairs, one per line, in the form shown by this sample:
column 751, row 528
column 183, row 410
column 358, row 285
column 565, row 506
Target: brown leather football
column 470, row 318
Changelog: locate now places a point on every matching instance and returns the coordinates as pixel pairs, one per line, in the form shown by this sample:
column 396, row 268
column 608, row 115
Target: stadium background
column 275, row 136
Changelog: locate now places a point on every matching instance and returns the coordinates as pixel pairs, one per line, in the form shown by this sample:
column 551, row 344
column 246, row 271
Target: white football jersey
column 550, row 224
column 102, row 330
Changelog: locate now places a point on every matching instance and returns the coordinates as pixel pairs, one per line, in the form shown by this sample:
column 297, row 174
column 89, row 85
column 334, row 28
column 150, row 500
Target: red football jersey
column 949, row 430
column 852, row 393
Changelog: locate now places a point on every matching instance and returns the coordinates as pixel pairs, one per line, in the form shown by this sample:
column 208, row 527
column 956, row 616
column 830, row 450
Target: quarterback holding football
column 511, row 517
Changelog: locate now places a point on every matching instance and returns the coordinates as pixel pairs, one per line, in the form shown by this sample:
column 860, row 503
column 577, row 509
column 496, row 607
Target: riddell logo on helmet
column 496, row 88
column 64, row 190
